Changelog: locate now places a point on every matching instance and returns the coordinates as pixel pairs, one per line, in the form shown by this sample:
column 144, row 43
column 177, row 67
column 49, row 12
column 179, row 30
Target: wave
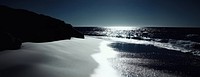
column 179, row 39
column 177, row 45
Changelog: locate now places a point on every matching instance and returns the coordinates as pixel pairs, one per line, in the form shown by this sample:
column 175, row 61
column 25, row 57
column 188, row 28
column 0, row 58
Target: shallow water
column 122, row 59
column 149, row 61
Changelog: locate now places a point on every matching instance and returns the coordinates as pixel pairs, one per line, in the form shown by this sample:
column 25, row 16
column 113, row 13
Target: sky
column 138, row 13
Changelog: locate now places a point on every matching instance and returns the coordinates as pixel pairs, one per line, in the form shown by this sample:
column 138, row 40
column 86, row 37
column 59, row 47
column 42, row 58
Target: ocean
column 151, row 51
column 181, row 39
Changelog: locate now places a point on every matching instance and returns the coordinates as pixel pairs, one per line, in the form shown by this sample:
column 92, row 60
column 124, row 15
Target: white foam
column 105, row 68
column 177, row 45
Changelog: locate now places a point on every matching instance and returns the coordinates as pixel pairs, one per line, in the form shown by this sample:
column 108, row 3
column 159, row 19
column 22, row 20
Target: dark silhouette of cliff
column 21, row 26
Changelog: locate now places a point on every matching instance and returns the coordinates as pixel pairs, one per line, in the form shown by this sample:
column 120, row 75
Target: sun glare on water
column 122, row 28
column 118, row 31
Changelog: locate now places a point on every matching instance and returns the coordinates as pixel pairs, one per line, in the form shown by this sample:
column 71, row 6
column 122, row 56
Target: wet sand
column 137, row 60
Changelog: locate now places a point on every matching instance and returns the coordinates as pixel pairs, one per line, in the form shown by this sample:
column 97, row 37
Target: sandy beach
column 66, row 58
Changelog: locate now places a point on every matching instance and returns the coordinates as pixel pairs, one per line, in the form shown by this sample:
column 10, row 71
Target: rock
column 7, row 41
column 32, row 27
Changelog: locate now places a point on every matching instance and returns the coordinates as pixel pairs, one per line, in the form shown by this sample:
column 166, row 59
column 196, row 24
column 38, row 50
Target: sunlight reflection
column 104, row 69
column 123, row 32
column 123, row 66
column 122, row 28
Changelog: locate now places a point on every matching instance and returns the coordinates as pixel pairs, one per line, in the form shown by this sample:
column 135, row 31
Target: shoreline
column 105, row 68
column 94, row 57
column 138, row 59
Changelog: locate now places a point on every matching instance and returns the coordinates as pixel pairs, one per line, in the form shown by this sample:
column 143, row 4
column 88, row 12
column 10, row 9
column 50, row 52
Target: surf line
column 105, row 68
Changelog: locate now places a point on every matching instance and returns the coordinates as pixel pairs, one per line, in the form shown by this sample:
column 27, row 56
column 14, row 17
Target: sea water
column 149, row 52
column 180, row 39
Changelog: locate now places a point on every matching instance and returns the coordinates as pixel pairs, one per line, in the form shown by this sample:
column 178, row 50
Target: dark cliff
column 25, row 26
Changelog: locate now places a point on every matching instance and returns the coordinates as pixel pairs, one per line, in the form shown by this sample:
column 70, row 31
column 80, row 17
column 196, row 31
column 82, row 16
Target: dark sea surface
column 182, row 39
column 153, row 51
